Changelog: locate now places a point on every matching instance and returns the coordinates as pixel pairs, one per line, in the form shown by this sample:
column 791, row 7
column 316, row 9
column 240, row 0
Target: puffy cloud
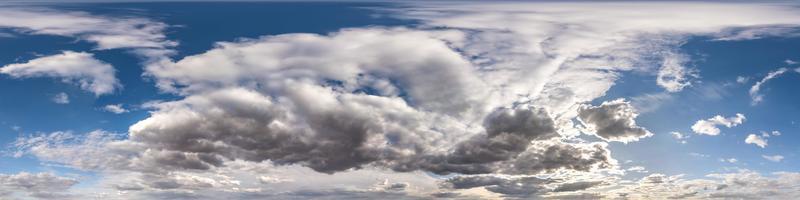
column 115, row 108
column 61, row 98
column 613, row 121
column 39, row 185
column 79, row 68
column 756, row 140
column 773, row 158
column 709, row 126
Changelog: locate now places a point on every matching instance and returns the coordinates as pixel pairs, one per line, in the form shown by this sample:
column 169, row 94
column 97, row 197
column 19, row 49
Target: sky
column 399, row 100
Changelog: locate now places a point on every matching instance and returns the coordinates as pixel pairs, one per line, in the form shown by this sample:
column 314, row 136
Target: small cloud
column 755, row 139
column 754, row 90
column 709, row 126
column 16, row 128
column 742, row 79
column 729, row 160
column 638, row 169
column 115, row 108
column 790, row 62
column 678, row 136
column 270, row 180
column 699, row 155
column 61, row 98
column 775, row 158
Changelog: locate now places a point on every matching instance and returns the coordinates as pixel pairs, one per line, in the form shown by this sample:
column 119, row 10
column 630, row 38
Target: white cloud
column 679, row 136
column 757, row 140
column 742, row 79
column 754, row 91
column 673, row 75
column 790, row 62
column 78, row 68
column 699, row 155
column 107, row 33
column 709, row 126
column 650, row 102
column 728, row 160
column 115, row 108
column 638, row 169
column 61, row 98
column 773, row 158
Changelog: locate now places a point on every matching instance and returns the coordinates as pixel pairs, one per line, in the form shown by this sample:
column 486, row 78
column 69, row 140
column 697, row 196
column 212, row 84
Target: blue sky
column 507, row 100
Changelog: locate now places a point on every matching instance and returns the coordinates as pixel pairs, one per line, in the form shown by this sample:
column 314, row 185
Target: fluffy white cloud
column 115, row 108
column 61, row 98
column 78, row 68
column 709, row 126
column 756, row 140
column 35, row 185
column 773, row 158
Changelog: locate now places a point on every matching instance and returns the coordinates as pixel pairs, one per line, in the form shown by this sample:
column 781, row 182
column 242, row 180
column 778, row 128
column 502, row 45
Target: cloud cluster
column 79, row 68
column 709, row 126
column 143, row 37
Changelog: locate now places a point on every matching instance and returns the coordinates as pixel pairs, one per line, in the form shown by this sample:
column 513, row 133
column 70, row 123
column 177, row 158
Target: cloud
column 115, row 108
column 709, row 126
column 679, row 136
column 61, row 98
column 773, row 158
column 756, row 140
column 650, row 102
column 742, row 79
column 35, row 185
column 613, row 121
column 78, row 68
column 672, row 75
column 489, row 89
column 756, row 88
column 105, row 32
column 728, row 160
